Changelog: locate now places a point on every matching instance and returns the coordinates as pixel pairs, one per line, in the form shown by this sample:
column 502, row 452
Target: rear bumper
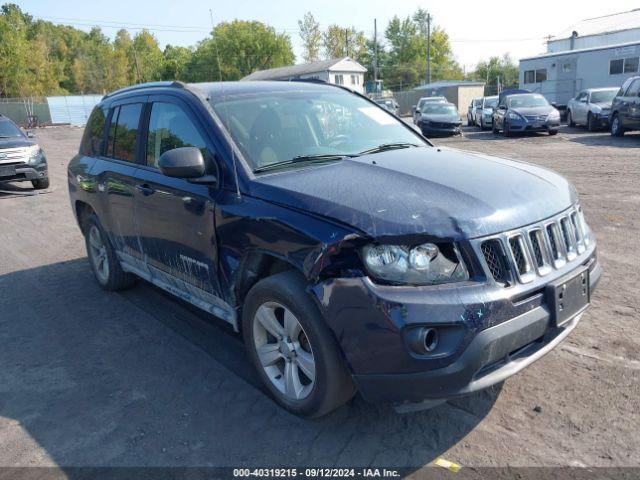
column 494, row 355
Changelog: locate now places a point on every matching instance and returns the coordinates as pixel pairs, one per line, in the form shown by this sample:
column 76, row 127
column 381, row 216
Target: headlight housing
column 424, row 264
column 514, row 116
column 554, row 115
column 33, row 151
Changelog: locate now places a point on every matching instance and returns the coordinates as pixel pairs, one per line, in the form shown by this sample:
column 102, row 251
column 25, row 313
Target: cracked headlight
column 34, row 152
column 425, row 264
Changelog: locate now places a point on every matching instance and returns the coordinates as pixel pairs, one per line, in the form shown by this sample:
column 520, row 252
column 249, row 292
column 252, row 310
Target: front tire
column 590, row 124
column 553, row 132
column 617, row 130
column 494, row 128
column 570, row 121
column 102, row 257
column 41, row 183
column 506, row 131
column 292, row 348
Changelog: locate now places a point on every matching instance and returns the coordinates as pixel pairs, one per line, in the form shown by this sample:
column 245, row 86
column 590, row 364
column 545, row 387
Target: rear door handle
column 145, row 189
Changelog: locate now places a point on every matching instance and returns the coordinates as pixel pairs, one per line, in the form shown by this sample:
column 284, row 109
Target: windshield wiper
column 388, row 146
column 326, row 157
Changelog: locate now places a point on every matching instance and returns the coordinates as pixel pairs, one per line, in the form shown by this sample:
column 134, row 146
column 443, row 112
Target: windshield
column 439, row 109
column 9, row 130
column 527, row 100
column 603, row 96
column 272, row 127
column 491, row 102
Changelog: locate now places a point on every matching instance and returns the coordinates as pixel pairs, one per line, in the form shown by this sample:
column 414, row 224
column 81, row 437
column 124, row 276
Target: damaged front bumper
column 487, row 333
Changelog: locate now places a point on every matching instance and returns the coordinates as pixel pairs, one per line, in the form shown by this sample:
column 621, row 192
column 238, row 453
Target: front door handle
column 145, row 189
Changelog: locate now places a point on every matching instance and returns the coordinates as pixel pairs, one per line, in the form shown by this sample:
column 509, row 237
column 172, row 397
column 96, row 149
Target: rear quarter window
column 91, row 144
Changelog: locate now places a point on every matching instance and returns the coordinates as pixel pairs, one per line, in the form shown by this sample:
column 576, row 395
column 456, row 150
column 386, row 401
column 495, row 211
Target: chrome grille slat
column 537, row 250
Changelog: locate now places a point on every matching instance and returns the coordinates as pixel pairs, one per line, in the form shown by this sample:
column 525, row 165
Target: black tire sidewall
column 117, row 279
column 332, row 383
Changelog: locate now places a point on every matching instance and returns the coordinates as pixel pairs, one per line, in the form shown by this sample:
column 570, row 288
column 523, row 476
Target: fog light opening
column 430, row 339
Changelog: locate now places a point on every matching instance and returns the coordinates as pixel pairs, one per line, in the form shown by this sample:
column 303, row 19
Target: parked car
column 591, row 107
column 471, row 111
column 625, row 109
column 424, row 100
column 439, row 119
column 389, row 104
column 352, row 259
column 484, row 112
column 525, row 112
column 21, row 158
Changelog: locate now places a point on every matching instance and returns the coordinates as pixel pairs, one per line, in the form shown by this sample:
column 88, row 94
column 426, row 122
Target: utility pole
column 215, row 43
column 428, row 48
column 346, row 42
column 375, row 51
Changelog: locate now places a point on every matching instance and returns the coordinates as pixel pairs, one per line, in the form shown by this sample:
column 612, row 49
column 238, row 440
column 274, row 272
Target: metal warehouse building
column 597, row 52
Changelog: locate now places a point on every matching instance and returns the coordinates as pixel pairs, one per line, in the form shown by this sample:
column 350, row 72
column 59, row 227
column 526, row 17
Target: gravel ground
column 136, row 378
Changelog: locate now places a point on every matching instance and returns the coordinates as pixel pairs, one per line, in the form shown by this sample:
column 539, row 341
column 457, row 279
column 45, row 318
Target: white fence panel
column 72, row 109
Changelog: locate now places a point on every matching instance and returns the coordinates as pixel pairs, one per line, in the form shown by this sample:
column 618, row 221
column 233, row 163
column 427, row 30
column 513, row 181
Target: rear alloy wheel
column 616, row 127
column 293, row 350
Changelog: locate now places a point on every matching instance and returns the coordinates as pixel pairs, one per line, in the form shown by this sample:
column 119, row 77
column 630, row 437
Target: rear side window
column 123, row 132
column 92, row 138
column 170, row 127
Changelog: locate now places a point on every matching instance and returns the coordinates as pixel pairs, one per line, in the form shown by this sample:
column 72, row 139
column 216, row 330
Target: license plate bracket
column 569, row 296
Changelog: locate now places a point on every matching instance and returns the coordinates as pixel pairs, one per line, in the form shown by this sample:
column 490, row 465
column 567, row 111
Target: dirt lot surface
column 134, row 378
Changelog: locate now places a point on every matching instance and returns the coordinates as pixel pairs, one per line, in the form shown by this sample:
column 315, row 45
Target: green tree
column 343, row 42
column 502, row 69
column 311, row 37
column 175, row 62
column 240, row 48
column 147, row 57
column 407, row 40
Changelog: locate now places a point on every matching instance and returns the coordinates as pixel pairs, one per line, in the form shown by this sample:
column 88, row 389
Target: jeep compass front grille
column 495, row 259
column 537, row 249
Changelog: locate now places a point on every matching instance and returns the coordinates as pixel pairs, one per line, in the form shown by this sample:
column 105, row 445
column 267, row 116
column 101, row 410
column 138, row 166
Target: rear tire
column 570, row 121
column 617, row 130
column 41, row 183
column 102, row 257
column 553, row 132
column 285, row 335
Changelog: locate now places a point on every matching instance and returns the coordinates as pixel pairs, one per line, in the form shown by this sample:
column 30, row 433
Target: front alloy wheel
column 98, row 255
column 616, row 127
column 284, row 350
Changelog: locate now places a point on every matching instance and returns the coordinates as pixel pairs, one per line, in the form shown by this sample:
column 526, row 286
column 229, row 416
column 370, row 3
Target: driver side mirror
column 30, row 134
column 183, row 162
column 502, row 107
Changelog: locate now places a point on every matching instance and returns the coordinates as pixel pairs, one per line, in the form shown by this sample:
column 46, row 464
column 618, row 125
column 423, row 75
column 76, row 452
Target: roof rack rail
column 141, row 86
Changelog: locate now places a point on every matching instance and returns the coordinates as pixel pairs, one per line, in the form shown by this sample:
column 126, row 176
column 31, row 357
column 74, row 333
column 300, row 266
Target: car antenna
column 226, row 111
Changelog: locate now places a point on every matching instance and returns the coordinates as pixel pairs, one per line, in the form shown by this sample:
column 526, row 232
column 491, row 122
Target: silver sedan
column 591, row 108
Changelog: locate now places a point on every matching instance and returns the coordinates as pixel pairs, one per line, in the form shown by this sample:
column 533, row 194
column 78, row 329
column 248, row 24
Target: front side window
column 276, row 126
column 633, row 89
column 123, row 132
column 91, row 140
column 170, row 127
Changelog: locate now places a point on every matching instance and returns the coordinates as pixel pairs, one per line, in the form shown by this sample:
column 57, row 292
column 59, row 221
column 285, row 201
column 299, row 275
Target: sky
column 477, row 29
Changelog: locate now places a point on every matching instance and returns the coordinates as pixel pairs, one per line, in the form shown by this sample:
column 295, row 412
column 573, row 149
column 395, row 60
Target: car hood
column 15, row 143
column 440, row 192
column 603, row 105
column 545, row 110
column 441, row 117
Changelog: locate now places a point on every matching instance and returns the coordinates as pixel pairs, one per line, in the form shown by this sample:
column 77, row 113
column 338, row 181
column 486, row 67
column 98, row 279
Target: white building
column 340, row 71
column 597, row 52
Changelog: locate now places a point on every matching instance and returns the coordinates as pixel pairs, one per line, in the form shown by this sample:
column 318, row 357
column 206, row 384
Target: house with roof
column 339, row 71
column 596, row 52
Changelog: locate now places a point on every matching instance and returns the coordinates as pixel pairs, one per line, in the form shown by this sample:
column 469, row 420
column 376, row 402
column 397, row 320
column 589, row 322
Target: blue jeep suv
column 351, row 254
